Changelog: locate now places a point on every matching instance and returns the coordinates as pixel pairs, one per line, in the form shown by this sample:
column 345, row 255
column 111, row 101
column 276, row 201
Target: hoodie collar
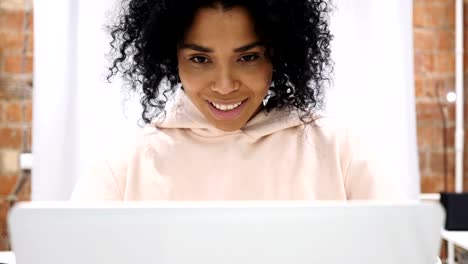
column 181, row 113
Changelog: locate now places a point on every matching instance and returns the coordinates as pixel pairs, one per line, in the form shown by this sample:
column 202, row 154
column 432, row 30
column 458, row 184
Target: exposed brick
column 425, row 40
column 424, row 138
column 11, row 138
column 430, row 87
column 419, row 15
column 450, row 13
column 12, row 20
column 465, row 39
column 16, row 68
column 7, row 183
column 29, row 64
column 435, row 183
column 445, row 62
column 465, row 88
column 434, row 15
column 434, row 112
column 14, row 64
column 428, row 112
column 11, row 42
column 465, row 13
column 4, row 244
column 423, row 161
column 431, row 137
column 465, row 154
column 437, row 163
column 443, row 250
column 12, row 4
column 31, row 20
column 30, row 48
column 13, row 91
column 30, row 34
column 28, row 111
column 28, row 138
column 442, row 15
column 424, row 64
column 13, row 111
column 15, row 87
column 450, row 83
column 465, row 115
column 4, row 207
column 446, row 40
column 419, row 87
column 450, row 112
column 465, row 63
column 24, row 193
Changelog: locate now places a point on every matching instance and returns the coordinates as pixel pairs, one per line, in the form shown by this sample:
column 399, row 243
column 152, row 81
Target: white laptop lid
column 226, row 232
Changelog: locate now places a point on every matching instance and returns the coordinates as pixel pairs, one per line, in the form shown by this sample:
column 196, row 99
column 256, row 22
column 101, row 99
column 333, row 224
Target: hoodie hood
column 182, row 114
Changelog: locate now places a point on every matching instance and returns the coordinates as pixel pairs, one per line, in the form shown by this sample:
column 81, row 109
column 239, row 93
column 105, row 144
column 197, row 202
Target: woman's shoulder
column 105, row 171
column 331, row 130
column 343, row 138
column 133, row 141
column 367, row 175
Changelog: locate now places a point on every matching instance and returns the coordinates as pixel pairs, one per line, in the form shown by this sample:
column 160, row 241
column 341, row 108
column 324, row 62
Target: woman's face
column 223, row 67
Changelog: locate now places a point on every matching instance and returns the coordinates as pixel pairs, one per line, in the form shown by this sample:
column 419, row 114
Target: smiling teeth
column 225, row 107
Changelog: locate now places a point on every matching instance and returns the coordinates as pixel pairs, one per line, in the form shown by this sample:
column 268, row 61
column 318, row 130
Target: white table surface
column 459, row 238
column 7, row 257
column 454, row 238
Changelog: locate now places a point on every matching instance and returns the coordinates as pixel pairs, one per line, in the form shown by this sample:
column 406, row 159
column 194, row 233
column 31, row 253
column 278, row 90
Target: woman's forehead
column 212, row 25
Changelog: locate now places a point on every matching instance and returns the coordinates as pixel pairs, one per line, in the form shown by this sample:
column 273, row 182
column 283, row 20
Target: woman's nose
column 225, row 82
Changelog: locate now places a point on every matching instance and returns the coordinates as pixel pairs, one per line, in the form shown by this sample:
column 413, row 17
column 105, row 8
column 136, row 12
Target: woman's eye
column 199, row 59
column 249, row 58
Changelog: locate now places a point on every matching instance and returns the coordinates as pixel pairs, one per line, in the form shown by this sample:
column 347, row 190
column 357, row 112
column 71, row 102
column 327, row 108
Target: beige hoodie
column 274, row 157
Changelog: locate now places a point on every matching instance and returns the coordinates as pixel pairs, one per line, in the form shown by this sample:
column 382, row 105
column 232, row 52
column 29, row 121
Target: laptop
column 226, row 232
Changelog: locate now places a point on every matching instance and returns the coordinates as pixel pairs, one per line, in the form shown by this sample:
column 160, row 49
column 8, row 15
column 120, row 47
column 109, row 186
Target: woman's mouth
column 227, row 111
column 225, row 107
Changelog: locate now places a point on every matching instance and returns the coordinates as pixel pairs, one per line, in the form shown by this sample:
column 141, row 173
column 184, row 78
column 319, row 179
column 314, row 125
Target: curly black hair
column 147, row 33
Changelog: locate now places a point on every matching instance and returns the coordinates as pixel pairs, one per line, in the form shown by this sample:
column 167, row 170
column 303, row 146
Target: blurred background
column 394, row 67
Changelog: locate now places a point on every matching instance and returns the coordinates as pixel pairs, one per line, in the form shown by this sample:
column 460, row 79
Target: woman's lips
column 228, row 114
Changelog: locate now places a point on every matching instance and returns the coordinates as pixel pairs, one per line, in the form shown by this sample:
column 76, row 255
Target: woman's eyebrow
column 249, row 46
column 200, row 48
column 195, row 47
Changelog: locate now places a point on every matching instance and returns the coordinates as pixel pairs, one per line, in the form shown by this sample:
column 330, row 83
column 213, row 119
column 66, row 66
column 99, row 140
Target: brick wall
column 16, row 55
column 434, row 57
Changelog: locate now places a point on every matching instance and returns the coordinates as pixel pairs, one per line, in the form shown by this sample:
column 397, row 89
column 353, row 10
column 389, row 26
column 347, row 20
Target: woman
column 230, row 93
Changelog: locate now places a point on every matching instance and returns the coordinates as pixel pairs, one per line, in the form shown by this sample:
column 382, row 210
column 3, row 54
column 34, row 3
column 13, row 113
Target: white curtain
column 374, row 85
column 74, row 107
